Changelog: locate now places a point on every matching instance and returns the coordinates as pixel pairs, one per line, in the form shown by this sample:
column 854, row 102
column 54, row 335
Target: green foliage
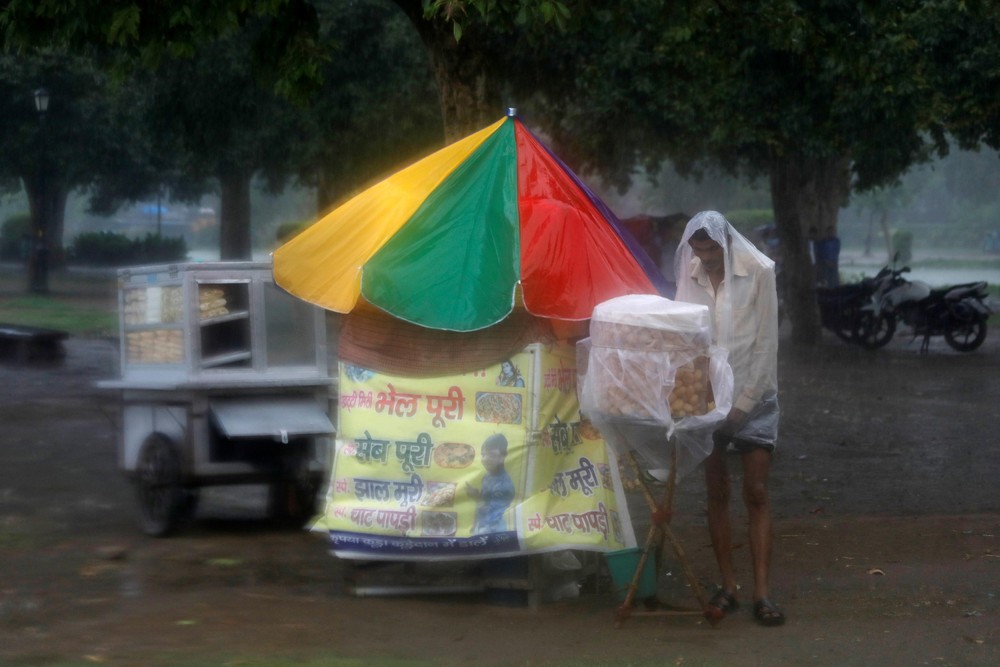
column 530, row 14
column 153, row 248
column 113, row 249
column 12, row 236
column 745, row 84
column 378, row 110
column 205, row 114
column 287, row 230
column 284, row 49
column 747, row 220
column 87, row 133
column 107, row 248
column 962, row 43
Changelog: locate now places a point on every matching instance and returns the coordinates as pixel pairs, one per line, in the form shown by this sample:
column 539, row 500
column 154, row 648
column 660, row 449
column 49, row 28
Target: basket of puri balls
column 648, row 359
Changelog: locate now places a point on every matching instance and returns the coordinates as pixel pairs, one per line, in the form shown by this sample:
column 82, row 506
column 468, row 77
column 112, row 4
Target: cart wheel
column 189, row 502
column 292, row 498
column 158, row 486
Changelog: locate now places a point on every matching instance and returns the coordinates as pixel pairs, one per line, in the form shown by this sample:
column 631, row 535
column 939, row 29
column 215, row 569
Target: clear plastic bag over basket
column 648, row 374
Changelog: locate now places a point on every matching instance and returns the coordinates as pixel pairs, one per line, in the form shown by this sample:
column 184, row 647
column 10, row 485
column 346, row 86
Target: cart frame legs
column 659, row 535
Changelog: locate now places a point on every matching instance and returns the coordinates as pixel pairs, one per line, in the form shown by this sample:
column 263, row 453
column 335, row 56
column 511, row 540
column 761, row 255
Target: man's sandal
column 721, row 604
column 766, row 613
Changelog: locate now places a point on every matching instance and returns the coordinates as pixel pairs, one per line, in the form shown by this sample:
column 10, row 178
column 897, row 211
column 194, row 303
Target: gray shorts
column 760, row 430
column 745, row 446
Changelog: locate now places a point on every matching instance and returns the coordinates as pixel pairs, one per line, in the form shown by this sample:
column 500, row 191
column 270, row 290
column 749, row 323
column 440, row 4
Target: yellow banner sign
column 490, row 462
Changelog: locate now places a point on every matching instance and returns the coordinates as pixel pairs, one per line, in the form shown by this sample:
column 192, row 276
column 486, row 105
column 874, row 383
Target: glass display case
column 209, row 321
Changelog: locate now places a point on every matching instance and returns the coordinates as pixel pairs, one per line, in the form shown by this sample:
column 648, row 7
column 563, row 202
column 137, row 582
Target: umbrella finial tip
column 511, row 111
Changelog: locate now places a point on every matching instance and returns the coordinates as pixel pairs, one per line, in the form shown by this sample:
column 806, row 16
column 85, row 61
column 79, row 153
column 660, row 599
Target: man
column 718, row 267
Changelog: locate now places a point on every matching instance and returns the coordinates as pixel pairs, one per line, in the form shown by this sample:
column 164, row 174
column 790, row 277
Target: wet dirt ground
column 887, row 542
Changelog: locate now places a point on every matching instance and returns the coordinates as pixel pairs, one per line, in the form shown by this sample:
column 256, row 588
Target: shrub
column 153, row 248
column 287, row 230
column 13, row 235
column 114, row 249
column 747, row 220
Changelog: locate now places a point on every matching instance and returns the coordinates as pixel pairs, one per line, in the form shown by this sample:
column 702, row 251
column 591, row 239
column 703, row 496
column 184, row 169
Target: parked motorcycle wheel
column 966, row 336
column 874, row 331
column 846, row 324
column 846, row 331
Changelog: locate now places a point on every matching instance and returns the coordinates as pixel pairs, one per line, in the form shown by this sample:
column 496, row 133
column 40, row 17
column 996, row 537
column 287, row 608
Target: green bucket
column 622, row 565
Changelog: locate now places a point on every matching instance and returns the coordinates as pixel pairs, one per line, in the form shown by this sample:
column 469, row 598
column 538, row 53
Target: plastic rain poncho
column 744, row 318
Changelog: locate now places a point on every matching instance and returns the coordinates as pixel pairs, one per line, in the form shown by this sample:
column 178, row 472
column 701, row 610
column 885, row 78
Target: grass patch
column 54, row 312
column 81, row 303
column 964, row 263
column 324, row 661
column 14, row 537
column 229, row 661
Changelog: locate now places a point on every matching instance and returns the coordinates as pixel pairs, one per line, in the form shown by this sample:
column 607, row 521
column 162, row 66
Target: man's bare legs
column 717, row 481
column 756, row 465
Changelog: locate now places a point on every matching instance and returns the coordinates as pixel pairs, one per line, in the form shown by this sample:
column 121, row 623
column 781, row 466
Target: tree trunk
column 57, row 225
column 234, row 217
column 468, row 91
column 805, row 193
column 47, row 205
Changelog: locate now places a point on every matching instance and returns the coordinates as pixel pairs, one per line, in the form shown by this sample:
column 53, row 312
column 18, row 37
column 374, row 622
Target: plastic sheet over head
column 735, row 244
column 651, row 377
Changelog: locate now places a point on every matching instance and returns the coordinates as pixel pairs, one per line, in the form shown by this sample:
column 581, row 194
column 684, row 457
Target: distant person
column 719, row 268
column 828, row 259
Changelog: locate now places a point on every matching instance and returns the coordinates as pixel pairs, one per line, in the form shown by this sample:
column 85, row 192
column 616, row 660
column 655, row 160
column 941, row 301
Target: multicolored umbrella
column 446, row 242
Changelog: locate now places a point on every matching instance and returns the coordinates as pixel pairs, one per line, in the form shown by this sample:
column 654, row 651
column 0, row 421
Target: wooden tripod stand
column 657, row 537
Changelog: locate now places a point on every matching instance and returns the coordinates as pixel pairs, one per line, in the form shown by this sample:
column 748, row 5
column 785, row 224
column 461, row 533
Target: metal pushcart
column 224, row 380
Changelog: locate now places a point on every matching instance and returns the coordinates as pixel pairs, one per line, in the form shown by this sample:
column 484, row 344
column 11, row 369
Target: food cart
column 224, row 380
column 490, row 232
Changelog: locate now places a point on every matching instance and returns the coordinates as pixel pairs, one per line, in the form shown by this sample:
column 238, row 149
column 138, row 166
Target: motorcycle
column 958, row 313
column 841, row 307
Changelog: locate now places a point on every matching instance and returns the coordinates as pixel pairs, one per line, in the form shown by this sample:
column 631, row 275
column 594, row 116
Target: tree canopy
column 285, row 48
column 823, row 97
column 87, row 135
column 202, row 118
column 377, row 108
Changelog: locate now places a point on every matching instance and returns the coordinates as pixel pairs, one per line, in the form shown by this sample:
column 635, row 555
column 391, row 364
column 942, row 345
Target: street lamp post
column 38, row 260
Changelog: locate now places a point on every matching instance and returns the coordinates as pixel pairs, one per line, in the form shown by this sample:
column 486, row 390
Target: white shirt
column 753, row 333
